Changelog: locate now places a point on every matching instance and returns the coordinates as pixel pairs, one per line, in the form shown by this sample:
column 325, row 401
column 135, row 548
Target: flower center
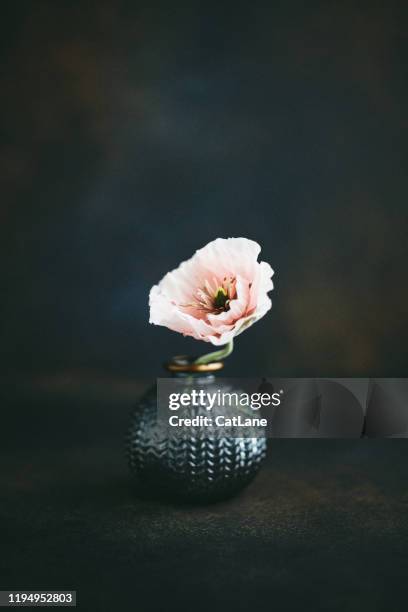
column 221, row 300
column 214, row 297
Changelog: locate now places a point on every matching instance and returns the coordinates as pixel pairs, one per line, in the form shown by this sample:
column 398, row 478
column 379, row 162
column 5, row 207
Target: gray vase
column 194, row 466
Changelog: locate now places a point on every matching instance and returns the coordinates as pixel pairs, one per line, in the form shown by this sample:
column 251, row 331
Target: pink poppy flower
column 215, row 295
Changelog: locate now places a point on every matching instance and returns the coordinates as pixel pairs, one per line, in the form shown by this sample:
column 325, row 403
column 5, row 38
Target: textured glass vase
column 193, row 466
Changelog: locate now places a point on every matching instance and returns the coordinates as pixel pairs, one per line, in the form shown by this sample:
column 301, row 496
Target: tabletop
column 323, row 526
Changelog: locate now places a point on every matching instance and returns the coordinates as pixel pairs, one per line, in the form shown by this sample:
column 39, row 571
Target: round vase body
column 198, row 464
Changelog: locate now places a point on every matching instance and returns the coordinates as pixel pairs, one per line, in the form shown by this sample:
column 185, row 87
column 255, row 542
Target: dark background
column 132, row 134
column 135, row 132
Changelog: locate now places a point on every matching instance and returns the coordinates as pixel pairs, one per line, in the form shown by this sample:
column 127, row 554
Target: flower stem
column 217, row 355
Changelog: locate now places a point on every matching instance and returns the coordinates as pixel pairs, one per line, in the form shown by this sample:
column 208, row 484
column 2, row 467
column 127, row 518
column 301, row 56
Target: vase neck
column 183, row 365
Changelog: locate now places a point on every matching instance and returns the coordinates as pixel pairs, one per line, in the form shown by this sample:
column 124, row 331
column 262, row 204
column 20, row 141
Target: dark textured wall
column 133, row 133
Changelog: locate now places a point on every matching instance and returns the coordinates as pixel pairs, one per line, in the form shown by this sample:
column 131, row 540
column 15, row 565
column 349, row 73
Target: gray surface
column 322, row 528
